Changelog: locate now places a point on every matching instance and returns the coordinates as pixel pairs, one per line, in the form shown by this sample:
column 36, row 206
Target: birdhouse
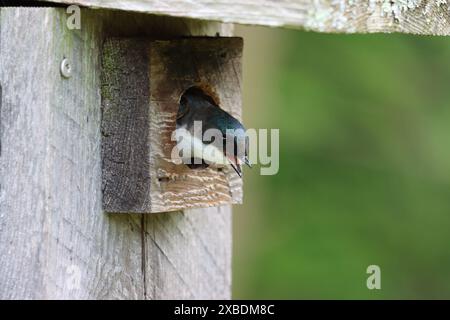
column 142, row 83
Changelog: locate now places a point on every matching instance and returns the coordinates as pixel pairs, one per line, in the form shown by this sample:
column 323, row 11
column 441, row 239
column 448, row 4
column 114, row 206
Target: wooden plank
column 55, row 240
column 125, row 126
column 142, row 82
column 348, row 16
column 188, row 254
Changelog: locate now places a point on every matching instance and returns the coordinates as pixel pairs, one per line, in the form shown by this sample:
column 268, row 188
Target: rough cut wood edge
column 345, row 16
column 125, row 126
column 142, row 81
column 55, row 240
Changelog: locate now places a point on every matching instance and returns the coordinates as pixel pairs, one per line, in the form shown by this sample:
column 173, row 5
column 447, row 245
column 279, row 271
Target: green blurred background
column 364, row 167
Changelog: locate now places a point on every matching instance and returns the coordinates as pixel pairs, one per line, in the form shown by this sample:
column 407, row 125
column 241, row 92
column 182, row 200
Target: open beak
column 247, row 162
column 237, row 168
column 235, row 165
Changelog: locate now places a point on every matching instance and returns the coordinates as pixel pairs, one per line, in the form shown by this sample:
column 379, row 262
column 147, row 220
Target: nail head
column 66, row 68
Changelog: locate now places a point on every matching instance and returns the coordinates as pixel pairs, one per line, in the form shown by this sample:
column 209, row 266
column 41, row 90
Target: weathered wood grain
column 141, row 87
column 349, row 16
column 125, row 126
column 55, row 240
column 188, row 254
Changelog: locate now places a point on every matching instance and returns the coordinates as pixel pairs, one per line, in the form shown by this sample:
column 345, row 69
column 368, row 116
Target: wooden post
column 55, row 240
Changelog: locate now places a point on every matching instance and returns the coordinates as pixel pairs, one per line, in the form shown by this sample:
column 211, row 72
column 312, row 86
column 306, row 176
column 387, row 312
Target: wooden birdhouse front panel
column 142, row 82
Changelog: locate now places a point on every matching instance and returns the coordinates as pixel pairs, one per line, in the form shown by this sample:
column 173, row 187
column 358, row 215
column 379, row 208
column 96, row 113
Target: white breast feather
column 208, row 152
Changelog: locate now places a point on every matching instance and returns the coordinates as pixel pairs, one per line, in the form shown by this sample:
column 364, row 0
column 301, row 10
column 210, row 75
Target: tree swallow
column 229, row 146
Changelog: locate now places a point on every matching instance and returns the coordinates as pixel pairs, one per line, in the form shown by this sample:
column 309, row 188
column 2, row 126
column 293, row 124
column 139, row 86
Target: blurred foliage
column 364, row 168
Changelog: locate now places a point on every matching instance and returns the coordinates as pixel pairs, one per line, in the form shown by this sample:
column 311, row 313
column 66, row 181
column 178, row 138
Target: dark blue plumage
column 196, row 105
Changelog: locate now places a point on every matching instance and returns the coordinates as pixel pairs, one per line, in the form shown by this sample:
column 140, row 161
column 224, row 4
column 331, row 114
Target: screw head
column 66, row 68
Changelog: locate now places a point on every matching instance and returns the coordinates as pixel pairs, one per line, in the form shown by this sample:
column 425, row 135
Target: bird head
column 192, row 96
